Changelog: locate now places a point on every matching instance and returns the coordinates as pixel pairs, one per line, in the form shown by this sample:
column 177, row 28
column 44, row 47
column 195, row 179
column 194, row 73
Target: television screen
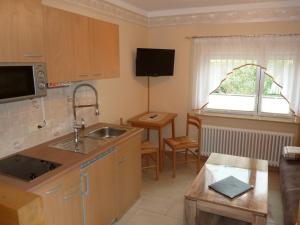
column 155, row 62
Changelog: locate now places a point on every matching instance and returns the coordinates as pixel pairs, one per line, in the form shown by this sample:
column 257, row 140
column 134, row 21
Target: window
column 257, row 75
column 248, row 89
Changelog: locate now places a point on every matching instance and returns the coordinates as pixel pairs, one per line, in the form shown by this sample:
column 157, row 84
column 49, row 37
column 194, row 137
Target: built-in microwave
column 19, row 81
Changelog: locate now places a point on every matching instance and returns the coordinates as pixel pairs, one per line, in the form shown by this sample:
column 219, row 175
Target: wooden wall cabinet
column 58, row 42
column 90, row 47
column 21, row 36
column 129, row 173
column 62, row 200
column 104, row 49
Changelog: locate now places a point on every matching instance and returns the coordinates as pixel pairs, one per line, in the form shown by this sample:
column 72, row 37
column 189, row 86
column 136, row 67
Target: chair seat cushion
column 148, row 148
column 147, row 144
column 149, row 151
column 181, row 142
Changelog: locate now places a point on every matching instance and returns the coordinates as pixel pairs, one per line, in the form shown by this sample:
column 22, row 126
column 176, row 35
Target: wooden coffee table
column 204, row 206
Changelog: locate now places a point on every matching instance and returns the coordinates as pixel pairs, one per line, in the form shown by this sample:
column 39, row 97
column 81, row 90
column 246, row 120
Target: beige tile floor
column 161, row 202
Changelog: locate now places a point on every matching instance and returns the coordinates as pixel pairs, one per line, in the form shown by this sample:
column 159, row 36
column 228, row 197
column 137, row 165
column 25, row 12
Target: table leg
column 190, row 212
column 161, row 149
column 173, row 128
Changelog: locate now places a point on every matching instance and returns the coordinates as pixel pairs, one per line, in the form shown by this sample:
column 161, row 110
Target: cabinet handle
column 86, row 178
column 69, row 196
column 124, row 159
column 53, row 190
column 83, row 75
column 97, row 74
column 33, row 55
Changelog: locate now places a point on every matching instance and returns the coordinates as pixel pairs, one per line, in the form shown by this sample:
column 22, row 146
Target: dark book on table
column 231, row 187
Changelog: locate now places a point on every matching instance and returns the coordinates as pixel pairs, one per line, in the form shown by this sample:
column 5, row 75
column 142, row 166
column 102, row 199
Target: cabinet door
column 82, row 57
column 8, row 34
column 62, row 200
column 52, row 202
column 100, row 203
column 30, row 31
column 96, row 51
column 110, row 49
column 59, row 44
column 21, row 36
column 129, row 173
column 104, row 49
column 72, row 208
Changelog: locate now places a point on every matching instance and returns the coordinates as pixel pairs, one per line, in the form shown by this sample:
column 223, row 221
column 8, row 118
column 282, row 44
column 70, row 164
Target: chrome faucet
column 96, row 105
column 79, row 127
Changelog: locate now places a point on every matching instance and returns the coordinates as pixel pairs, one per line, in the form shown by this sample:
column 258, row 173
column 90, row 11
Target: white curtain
column 214, row 58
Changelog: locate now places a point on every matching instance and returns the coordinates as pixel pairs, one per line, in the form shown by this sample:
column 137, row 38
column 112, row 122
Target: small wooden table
column 158, row 122
column 204, row 206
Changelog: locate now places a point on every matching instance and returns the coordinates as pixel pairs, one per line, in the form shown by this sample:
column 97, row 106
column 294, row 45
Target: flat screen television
column 155, row 62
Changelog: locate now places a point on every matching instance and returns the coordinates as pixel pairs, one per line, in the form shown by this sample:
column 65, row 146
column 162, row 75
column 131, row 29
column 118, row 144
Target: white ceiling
column 154, row 5
column 154, row 8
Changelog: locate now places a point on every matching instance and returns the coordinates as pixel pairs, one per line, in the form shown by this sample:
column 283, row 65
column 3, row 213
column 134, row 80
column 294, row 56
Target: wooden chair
column 185, row 143
column 149, row 150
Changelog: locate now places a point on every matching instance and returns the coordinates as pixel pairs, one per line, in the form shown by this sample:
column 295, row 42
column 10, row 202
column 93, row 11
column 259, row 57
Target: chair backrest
column 194, row 121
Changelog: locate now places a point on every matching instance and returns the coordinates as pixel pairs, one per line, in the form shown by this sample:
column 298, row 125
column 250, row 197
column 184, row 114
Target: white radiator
column 244, row 142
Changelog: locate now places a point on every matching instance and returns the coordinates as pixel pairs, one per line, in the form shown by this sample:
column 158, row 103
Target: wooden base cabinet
column 98, row 181
column 129, row 173
column 98, row 193
column 62, row 200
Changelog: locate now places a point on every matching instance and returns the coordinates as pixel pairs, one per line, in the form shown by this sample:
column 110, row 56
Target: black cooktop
column 25, row 167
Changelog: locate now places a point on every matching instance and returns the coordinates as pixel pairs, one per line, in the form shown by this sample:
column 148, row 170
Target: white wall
column 173, row 93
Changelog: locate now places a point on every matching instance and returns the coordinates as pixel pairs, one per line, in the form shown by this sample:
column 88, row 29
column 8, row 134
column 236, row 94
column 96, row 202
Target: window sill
column 294, row 120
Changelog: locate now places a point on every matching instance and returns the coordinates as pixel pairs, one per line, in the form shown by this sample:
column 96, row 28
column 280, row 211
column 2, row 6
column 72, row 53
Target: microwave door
column 16, row 83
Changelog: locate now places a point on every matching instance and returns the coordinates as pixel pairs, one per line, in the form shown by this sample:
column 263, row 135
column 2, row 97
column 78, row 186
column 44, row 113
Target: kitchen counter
column 68, row 159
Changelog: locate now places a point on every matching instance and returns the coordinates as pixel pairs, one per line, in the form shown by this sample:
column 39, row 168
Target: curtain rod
column 254, row 35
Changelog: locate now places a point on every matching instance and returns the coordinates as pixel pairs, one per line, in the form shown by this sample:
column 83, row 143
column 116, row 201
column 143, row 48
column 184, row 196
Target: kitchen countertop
column 69, row 160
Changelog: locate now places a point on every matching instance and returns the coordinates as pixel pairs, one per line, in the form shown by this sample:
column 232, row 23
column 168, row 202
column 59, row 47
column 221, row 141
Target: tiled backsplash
column 19, row 120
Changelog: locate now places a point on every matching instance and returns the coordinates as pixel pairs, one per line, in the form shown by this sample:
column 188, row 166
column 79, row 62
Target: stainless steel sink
column 106, row 133
column 91, row 141
column 84, row 146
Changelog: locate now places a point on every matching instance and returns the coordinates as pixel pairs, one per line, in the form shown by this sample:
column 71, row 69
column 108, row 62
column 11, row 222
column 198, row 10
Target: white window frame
column 260, row 78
